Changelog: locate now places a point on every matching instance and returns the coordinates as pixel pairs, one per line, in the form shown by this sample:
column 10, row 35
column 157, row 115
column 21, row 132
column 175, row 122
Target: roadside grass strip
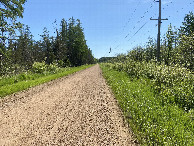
column 10, row 85
column 152, row 122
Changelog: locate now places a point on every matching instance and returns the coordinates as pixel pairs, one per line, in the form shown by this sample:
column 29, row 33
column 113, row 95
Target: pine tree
column 23, row 49
column 46, row 45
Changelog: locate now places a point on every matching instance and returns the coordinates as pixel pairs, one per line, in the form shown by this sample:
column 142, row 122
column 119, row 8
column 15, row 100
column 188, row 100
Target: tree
column 9, row 11
column 188, row 24
column 186, row 51
column 38, row 52
column 76, row 44
column 63, row 44
column 186, row 44
column 12, row 8
column 67, row 48
column 24, row 50
column 167, row 52
column 150, row 51
column 137, row 54
column 46, row 44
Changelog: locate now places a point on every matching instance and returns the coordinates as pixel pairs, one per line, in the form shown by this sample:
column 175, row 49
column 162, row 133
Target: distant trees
column 67, row 48
column 23, row 49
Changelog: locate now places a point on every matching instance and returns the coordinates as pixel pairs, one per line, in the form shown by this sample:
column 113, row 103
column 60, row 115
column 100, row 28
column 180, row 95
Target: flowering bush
column 42, row 67
column 174, row 84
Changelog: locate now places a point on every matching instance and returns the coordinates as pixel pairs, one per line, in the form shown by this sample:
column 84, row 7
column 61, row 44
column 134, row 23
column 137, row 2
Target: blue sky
column 107, row 23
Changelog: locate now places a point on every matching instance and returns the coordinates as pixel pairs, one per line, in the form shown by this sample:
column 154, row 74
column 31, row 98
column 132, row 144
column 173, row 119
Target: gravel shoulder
column 74, row 110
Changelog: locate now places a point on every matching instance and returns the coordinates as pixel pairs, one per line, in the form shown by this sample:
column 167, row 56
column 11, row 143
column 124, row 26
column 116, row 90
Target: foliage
column 68, row 48
column 77, row 50
column 43, row 68
column 186, row 51
column 173, row 84
column 9, row 11
column 188, row 24
column 12, row 8
column 153, row 122
column 106, row 59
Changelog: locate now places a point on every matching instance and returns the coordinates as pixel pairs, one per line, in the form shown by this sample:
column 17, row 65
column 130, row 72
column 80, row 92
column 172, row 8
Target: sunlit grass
column 10, row 85
column 153, row 122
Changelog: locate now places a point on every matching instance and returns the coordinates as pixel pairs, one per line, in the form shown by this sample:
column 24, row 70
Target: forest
column 19, row 51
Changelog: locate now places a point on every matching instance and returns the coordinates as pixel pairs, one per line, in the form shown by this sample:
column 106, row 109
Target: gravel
column 75, row 110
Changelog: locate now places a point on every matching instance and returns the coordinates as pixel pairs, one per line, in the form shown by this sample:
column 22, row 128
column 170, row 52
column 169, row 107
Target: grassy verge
column 10, row 85
column 153, row 122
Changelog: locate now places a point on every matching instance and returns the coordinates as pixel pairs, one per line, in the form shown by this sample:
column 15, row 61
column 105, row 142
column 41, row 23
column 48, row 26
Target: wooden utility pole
column 159, row 26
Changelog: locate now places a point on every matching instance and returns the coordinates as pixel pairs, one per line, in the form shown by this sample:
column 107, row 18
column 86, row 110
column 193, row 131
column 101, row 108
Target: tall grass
column 153, row 122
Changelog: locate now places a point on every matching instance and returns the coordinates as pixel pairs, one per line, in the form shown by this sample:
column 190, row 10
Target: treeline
column 105, row 59
column 177, row 46
column 67, row 48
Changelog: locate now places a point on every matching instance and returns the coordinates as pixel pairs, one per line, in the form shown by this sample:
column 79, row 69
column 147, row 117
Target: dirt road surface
column 74, row 110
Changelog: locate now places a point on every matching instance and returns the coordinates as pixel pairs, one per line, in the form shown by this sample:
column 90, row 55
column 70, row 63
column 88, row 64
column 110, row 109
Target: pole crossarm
column 158, row 19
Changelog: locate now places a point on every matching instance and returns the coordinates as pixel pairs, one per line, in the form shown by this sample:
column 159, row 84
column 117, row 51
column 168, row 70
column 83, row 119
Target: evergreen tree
column 188, row 24
column 167, row 48
column 23, row 51
column 46, row 45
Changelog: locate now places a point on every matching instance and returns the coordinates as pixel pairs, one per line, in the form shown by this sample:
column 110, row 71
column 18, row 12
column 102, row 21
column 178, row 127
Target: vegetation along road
column 74, row 110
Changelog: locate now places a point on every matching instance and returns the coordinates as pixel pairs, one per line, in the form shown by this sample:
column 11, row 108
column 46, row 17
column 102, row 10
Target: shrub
column 39, row 67
column 43, row 68
column 173, row 84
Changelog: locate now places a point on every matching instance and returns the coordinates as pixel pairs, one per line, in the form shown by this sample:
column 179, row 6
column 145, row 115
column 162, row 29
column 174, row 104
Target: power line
column 134, row 34
column 141, row 19
column 138, row 30
column 146, row 12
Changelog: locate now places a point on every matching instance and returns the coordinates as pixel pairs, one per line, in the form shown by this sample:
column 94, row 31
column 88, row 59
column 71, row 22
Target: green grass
column 152, row 122
column 10, row 85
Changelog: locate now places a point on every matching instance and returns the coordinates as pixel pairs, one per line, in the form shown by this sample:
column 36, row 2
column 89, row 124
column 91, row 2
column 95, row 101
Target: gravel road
column 74, row 110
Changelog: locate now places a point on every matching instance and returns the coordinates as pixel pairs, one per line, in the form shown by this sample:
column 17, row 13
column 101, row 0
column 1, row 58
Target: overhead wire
column 138, row 30
column 147, row 10
column 135, row 25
